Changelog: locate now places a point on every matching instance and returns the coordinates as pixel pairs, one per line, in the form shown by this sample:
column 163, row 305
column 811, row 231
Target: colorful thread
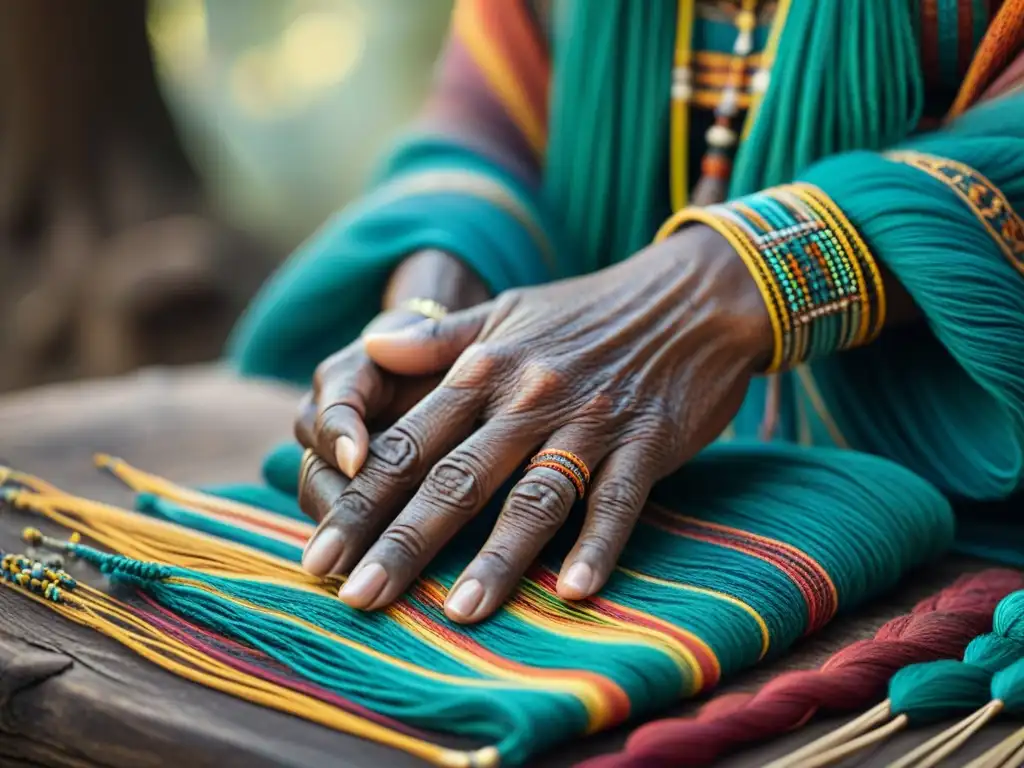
column 855, row 677
column 685, row 609
column 819, row 280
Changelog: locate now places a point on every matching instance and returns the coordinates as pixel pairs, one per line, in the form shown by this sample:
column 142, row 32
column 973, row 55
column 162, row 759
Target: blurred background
column 158, row 159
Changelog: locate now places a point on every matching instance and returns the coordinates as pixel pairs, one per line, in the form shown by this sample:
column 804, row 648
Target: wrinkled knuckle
column 398, row 454
column 539, row 384
column 602, row 405
column 477, row 365
column 408, row 540
column 351, row 509
column 619, row 500
column 538, row 504
column 456, row 484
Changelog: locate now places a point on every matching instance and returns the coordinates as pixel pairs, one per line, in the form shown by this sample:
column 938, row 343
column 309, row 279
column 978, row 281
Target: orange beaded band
column 567, row 464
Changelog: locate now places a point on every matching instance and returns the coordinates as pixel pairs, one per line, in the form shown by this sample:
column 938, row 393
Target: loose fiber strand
column 854, row 746
column 870, row 719
column 957, row 741
column 1002, row 753
column 940, row 740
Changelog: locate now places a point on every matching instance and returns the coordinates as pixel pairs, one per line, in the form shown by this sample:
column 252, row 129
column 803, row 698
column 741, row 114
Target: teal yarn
column 937, row 690
column 943, row 689
column 281, row 469
column 847, row 76
column 1008, row 687
column 949, row 405
column 172, row 512
column 864, row 520
column 611, row 76
column 280, row 502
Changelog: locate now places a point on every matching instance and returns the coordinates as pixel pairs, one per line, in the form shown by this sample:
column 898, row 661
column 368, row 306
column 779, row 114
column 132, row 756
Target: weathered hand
column 351, row 393
column 633, row 369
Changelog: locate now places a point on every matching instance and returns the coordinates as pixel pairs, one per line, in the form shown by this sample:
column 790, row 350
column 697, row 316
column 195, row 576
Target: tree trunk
column 109, row 256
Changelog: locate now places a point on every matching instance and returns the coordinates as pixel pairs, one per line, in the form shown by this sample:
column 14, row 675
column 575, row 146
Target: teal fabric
column 323, row 297
column 947, row 403
column 945, row 400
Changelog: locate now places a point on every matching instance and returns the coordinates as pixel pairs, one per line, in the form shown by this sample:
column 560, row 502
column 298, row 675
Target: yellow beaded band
column 820, row 283
column 426, row 307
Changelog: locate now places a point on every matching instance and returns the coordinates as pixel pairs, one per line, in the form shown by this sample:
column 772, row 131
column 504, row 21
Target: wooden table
column 72, row 699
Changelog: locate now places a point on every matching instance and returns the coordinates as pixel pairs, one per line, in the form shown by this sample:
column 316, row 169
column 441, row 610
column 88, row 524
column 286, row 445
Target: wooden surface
column 72, row 699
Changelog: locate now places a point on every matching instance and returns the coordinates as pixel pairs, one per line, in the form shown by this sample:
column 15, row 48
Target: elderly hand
column 633, row 369
column 352, row 394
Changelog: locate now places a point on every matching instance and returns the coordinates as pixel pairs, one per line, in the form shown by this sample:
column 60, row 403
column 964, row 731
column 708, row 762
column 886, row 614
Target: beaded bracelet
column 820, row 283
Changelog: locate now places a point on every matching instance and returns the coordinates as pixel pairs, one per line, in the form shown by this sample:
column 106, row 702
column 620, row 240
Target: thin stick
column 1016, row 759
column 951, row 746
column 937, row 741
column 856, row 745
column 873, row 717
column 996, row 756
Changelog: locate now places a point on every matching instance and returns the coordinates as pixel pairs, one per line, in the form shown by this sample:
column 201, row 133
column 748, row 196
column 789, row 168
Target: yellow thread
column 213, row 674
column 679, row 122
column 762, row 625
column 798, row 553
column 531, row 610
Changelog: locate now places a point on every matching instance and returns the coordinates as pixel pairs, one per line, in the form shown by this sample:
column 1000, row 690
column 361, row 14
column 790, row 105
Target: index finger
column 399, row 459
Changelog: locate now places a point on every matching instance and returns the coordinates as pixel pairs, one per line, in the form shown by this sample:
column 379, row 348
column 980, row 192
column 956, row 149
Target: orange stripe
column 432, row 593
column 706, row 658
column 1004, row 38
column 503, row 40
column 813, row 581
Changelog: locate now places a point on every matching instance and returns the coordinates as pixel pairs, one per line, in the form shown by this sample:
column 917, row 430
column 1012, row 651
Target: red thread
column 854, row 678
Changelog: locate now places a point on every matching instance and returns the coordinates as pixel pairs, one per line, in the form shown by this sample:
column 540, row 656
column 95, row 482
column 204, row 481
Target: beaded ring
column 567, row 464
column 820, row 283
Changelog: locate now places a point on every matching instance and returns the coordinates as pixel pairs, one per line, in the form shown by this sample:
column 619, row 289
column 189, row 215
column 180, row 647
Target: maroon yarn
column 853, row 678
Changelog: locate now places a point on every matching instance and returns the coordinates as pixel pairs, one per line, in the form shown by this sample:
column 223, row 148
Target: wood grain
column 72, row 699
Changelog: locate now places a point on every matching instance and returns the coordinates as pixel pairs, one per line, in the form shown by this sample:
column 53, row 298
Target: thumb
column 430, row 346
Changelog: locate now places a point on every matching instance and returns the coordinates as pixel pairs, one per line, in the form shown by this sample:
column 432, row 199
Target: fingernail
column 345, row 453
column 323, row 551
column 579, row 579
column 363, row 586
column 464, row 601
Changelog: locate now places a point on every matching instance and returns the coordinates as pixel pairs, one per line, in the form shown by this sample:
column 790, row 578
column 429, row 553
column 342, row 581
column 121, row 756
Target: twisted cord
column 939, row 627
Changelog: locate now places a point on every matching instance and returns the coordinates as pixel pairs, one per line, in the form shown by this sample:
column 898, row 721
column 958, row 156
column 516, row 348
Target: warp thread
column 855, row 677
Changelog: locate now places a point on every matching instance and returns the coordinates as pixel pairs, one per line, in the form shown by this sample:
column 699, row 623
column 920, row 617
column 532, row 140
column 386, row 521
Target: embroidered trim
column 983, row 197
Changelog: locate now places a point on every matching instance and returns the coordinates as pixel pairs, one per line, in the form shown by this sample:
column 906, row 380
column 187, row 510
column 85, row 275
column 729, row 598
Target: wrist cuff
column 818, row 278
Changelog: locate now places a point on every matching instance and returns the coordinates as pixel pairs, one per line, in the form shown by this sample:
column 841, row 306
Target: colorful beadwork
column 565, row 463
column 36, row 577
column 983, row 197
column 820, row 283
